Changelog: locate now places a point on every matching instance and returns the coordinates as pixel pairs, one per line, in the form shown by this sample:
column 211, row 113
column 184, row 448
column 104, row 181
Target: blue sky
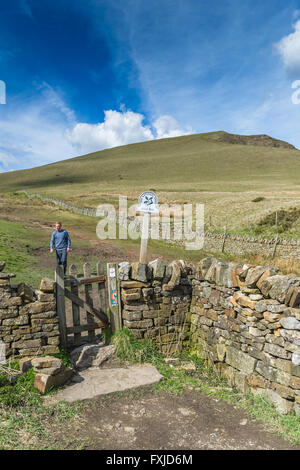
column 84, row 75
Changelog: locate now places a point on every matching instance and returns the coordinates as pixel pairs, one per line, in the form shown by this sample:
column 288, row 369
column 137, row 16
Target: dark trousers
column 61, row 258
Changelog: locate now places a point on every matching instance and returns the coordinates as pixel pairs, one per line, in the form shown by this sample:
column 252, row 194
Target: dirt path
column 148, row 420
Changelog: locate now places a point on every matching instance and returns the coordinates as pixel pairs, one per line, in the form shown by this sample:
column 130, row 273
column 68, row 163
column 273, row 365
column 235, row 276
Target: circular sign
column 148, row 202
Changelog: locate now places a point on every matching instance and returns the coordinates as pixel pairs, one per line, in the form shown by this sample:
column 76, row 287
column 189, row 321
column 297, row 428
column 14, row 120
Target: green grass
column 17, row 249
column 27, row 422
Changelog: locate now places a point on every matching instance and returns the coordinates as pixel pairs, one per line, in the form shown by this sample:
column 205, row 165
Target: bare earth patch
column 146, row 420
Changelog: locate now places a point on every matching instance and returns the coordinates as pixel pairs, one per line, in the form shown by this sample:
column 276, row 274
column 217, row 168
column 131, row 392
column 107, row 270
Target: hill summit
column 262, row 140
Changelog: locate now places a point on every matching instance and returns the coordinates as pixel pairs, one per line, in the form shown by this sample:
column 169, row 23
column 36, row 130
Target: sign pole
column 148, row 204
column 144, row 239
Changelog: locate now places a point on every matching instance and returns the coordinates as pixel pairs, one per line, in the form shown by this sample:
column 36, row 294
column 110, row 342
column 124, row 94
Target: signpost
column 148, row 204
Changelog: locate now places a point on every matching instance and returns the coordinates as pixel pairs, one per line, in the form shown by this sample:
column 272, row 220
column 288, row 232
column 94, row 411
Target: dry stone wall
column 28, row 319
column 238, row 245
column 245, row 320
column 156, row 302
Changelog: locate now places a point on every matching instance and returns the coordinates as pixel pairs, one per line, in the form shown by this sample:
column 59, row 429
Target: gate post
column 114, row 299
column 60, row 304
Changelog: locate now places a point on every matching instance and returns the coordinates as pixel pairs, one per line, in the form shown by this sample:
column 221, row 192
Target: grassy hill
column 226, row 172
column 214, row 161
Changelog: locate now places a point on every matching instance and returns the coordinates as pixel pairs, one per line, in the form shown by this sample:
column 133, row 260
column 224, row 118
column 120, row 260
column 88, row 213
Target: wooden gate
column 82, row 314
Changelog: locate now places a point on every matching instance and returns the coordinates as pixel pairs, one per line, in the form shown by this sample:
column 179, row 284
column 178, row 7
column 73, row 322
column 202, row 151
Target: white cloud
column 289, row 49
column 121, row 128
column 118, row 128
column 6, row 160
column 167, row 126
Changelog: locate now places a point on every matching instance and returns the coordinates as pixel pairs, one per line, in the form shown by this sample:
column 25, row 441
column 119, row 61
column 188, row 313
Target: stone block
column 266, row 371
column 277, row 351
column 25, row 364
column 296, row 358
column 134, row 284
column 53, row 340
column 221, row 352
column 140, row 272
column 158, row 269
column 38, row 307
column 204, row 265
column 280, row 308
column 290, row 323
column 253, row 275
column 295, row 297
column 221, row 273
column 34, row 343
column 131, row 316
column 45, row 297
column 44, row 382
column 257, row 381
column 20, row 320
column 47, row 285
column 124, row 271
column 10, row 312
column 270, row 271
column 12, row 302
column 295, row 382
column 131, row 295
column 26, row 292
column 50, row 349
column 139, row 324
column 283, row 391
column 272, row 317
column 240, row 360
column 244, row 301
column 151, row 313
column 281, row 404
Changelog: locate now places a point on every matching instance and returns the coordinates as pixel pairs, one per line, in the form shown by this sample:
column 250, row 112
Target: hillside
column 210, row 162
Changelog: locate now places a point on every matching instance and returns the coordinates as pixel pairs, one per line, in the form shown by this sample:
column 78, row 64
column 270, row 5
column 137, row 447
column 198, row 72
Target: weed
column 133, row 350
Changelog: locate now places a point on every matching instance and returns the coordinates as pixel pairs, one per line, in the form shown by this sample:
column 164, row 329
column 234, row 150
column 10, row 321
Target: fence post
column 60, row 305
column 113, row 287
column 275, row 246
column 224, row 236
column 102, row 291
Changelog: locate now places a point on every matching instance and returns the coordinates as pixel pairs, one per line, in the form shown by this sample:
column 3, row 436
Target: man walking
column 62, row 242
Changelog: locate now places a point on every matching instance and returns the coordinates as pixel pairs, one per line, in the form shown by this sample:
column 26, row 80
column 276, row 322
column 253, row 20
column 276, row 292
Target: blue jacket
column 60, row 239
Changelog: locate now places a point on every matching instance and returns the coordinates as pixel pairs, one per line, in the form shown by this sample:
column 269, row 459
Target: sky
column 77, row 76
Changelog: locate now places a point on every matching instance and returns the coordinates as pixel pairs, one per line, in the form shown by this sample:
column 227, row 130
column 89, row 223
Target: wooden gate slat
column 60, row 304
column 88, row 288
column 75, row 306
column 82, row 303
column 81, row 328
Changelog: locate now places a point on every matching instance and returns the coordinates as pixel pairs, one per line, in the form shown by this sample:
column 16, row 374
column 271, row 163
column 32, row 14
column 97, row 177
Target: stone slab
column 102, row 381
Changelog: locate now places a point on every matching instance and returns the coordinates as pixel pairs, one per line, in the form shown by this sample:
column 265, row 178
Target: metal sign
column 148, row 203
